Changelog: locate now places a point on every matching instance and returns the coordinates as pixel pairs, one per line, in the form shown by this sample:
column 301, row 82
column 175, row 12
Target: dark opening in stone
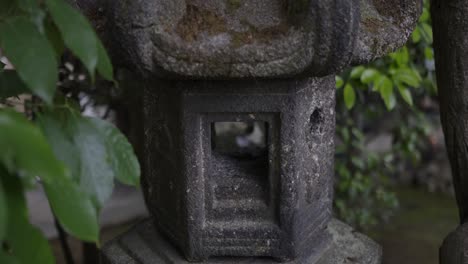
column 241, row 186
column 316, row 120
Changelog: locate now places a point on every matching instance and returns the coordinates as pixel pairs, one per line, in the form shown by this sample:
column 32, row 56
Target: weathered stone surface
column 145, row 245
column 455, row 247
column 253, row 38
column 385, row 26
column 210, row 204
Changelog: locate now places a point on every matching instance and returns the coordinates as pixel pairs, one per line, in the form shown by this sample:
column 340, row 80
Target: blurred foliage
column 45, row 139
column 388, row 95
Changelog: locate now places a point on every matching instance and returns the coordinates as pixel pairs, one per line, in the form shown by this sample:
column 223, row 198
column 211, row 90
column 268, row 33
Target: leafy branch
column 369, row 98
column 75, row 158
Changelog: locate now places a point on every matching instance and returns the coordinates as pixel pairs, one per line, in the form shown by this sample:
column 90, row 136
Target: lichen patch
column 257, row 35
column 389, row 8
column 373, row 25
column 197, row 20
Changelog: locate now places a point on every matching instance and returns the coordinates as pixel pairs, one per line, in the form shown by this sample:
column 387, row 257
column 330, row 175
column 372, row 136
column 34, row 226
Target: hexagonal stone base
column 144, row 245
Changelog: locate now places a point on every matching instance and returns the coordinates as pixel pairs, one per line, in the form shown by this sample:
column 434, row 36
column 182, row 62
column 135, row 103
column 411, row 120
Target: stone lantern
column 263, row 65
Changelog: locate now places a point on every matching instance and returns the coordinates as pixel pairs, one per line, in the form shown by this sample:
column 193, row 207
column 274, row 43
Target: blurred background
column 393, row 179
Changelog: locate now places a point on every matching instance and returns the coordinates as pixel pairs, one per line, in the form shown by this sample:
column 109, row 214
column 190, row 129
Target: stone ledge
column 144, row 245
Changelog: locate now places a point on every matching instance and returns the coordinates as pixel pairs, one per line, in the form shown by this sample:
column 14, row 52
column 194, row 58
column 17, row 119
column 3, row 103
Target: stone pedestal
column 145, row 245
column 271, row 204
column 271, row 200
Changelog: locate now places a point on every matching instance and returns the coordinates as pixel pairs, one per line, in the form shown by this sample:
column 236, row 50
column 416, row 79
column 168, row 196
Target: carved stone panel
column 270, row 199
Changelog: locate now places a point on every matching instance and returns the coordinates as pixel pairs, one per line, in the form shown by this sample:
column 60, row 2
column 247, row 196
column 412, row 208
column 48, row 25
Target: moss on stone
column 233, row 5
column 197, row 20
column 254, row 34
column 373, row 25
column 387, row 8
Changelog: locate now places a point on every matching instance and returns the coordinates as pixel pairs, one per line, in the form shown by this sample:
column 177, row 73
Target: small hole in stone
column 316, row 121
column 239, row 139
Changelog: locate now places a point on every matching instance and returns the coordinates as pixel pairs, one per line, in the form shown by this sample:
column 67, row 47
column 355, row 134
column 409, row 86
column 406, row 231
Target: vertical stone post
column 450, row 23
column 268, row 65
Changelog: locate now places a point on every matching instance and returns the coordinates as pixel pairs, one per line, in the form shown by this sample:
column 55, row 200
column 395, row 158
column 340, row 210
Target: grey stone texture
column 210, row 204
column 254, row 38
column 145, row 245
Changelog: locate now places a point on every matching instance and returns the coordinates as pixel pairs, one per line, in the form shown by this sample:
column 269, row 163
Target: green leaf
column 88, row 159
column 358, row 134
column 54, row 36
column 124, row 161
column 7, row 259
column 427, row 33
column 338, row 82
column 74, row 209
column 389, row 99
column 358, row 162
column 25, row 150
column 345, row 134
column 23, row 240
column 31, row 54
column 104, row 66
column 95, row 152
column 27, row 243
column 349, row 96
column 406, row 94
column 65, row 193
column 77, row 33
column 416, row 36
column 54, row 128
column 3, row 212
column 30, row 6
column 11, row 84
column 401, row 57
column 8, row 8
column 390, row 102
column 385, row 86
column 429, row 53
column 408, row 76
column 36, row 15
column 97, row 176
column 356, row 72
column 369, row 75
column 425, row 16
